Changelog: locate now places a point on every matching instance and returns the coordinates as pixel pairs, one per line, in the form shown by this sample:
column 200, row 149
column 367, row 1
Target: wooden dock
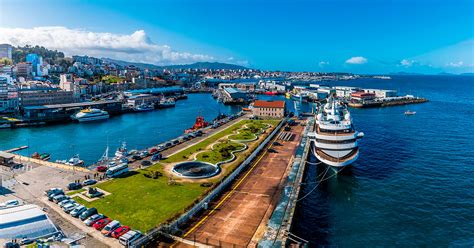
column 16, row 149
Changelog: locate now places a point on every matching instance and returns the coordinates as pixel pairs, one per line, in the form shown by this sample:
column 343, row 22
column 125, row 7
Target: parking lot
column 27, row 184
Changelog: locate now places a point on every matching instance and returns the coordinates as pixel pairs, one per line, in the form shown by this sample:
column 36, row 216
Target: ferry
column 335, row 141
column 90, row 115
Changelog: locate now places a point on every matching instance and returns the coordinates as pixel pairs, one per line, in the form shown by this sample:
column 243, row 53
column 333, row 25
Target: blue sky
column 364, row 36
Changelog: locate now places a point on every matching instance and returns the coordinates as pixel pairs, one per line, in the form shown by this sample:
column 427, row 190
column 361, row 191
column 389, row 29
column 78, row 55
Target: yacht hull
column 336, row 165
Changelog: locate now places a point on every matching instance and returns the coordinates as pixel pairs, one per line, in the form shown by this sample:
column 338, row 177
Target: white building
column 382, row 93
column 6, row 51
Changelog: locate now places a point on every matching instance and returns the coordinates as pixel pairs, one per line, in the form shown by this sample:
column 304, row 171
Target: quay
column 388, row 102
column 240, row 215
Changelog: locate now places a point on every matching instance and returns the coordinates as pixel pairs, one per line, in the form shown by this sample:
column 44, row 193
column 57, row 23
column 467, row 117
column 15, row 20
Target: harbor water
column 413, row 183
column 138, row 130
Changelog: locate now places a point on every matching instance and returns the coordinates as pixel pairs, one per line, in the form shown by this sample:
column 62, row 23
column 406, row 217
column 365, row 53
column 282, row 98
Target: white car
column 10, row 203
column 69, row 207
column 65, row 202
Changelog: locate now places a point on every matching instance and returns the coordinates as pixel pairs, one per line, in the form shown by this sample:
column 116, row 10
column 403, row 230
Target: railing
column 173, row 228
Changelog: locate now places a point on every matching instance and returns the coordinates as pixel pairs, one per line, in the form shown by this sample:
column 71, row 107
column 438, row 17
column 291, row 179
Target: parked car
column 88, row 213
column 53, row 191
column 69, row 207
column 93, row 219
column 60, row 198
column 199, row 133
column 129, row 236
column 175, row 142
column 100, row 224
column 137, row 157
column 65, row 202
column 109, row 228
column 51, row 196
column 101, row 168
column 74, row 186
column 156, row 157
column 120, row 231
column 89, row 182
column 78, row 210
column 153, row 151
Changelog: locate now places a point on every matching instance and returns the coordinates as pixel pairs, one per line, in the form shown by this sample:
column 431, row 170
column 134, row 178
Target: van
column 128, row 237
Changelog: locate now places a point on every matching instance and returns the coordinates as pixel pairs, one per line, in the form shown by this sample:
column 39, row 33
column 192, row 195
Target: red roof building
column 274, row 109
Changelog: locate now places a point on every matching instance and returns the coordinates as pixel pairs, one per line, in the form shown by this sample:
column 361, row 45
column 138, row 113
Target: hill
column 197, row 65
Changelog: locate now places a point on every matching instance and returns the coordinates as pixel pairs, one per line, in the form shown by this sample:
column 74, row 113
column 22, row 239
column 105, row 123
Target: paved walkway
column 236, row 216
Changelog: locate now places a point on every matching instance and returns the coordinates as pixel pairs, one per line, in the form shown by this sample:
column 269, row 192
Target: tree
column 6, row 61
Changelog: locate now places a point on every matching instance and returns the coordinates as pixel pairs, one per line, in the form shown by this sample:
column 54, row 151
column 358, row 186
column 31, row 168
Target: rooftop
column 27, row 221
column 269, row 104
column 69, row 105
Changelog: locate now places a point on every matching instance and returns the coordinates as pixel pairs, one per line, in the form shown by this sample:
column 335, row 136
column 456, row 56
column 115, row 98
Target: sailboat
column 104, row 160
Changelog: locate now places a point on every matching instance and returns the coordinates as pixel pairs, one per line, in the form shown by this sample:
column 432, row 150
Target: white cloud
column 406, row 62
column 455, row 64
column 358, row 60
column 135, row 47
column 323, row 63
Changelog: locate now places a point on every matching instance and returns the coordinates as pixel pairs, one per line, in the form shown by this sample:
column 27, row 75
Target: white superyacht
column 335, row 139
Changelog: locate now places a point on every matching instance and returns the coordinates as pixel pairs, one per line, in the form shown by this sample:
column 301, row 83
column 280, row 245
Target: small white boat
column 75, row 161
column 167, row 103
column 408, row 112
column 5, row 125
column 143, row 107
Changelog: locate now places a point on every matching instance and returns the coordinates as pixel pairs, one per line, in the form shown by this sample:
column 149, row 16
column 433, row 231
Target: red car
column 101, row 168
column 120, row 231
column 153, row 151
column 100, row 224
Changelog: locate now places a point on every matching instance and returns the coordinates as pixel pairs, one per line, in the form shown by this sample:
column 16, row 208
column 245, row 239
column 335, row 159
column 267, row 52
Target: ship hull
column 336, row 165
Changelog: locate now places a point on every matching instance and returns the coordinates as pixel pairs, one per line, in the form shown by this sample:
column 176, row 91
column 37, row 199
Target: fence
column 173, row 228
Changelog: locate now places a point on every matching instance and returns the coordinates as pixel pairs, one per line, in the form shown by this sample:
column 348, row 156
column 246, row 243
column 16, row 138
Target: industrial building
column 26, row 221
column 62, row 112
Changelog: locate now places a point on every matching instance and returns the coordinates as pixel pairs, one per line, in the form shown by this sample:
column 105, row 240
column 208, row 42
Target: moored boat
column 75, row 161
column 200, row 123
column 90, row 114
column 335, row 141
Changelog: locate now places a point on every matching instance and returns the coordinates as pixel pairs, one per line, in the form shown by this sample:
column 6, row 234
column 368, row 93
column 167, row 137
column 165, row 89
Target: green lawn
column 220, row 152
column 143, row 203
column 185, row 154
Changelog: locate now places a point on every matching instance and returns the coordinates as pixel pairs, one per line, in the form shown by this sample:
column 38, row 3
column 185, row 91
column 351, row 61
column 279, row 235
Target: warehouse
column 26, row 221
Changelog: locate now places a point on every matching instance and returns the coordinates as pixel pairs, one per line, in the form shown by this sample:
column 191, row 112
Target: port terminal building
column 63, row 112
